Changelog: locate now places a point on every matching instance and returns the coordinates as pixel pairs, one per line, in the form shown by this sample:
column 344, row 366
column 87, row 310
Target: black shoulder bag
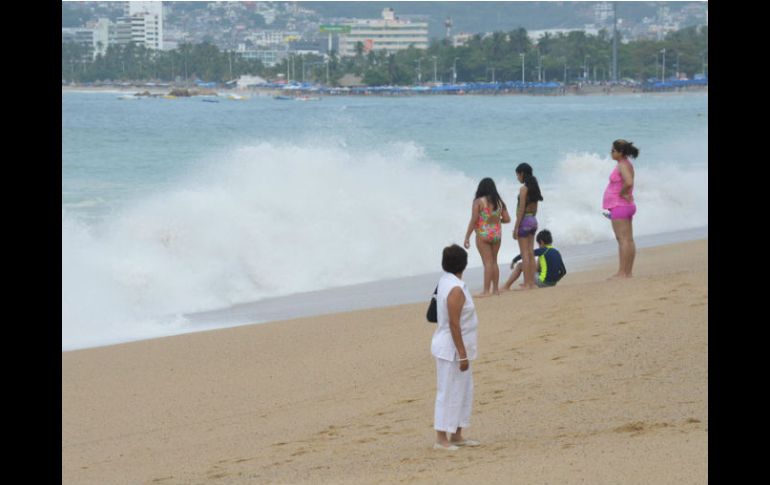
column 432, row 314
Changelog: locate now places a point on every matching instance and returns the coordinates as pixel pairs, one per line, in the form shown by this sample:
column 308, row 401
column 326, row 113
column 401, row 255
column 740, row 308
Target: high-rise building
column 142, row 24
column 389, row 34
column 101, row 37
column 94, row 37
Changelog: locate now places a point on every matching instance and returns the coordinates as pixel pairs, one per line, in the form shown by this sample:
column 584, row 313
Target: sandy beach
column 593, row 381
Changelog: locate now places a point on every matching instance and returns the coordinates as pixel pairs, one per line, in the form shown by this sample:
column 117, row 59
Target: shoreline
column 594, row 381
column 269, row 92
column 388, row 292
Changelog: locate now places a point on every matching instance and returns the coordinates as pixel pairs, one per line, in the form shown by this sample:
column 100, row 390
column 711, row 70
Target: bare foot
column 481, row 295
column 527, row 287
column 618, row 276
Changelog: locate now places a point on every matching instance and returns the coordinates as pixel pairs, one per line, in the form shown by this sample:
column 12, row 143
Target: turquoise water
column 114, row 150
column 177, row 205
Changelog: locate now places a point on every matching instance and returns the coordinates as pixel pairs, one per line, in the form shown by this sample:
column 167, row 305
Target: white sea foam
column 269, row 220
column 261, row 221
column 668, row 196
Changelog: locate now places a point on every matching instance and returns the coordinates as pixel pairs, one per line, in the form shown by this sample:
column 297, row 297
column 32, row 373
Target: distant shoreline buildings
column 283, row 28
column 388, row 33
column 140, row 24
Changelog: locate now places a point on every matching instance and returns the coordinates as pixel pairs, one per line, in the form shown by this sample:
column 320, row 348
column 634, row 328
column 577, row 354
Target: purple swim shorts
column 623, row 212
column 528, row 226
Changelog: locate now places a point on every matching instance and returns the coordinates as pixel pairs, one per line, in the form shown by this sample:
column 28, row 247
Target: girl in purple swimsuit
column 619, row 200
column 526, row 224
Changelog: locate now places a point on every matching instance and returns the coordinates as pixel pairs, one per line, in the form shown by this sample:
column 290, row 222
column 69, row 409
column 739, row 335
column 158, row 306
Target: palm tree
column 519, row 40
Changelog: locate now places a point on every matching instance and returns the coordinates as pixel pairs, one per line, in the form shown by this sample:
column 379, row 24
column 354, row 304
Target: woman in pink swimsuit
column 487, row 213
column 619, row 200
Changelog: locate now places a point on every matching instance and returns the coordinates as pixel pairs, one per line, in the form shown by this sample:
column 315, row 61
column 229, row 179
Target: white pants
column 454, row 397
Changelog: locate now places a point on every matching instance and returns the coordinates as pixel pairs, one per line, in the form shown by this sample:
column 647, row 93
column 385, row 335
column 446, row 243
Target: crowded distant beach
column 575, row 90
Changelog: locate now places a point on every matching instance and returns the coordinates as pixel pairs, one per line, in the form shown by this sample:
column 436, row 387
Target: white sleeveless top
column 442, row 345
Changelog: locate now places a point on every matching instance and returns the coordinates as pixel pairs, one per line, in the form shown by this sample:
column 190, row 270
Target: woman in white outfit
column 454, row 346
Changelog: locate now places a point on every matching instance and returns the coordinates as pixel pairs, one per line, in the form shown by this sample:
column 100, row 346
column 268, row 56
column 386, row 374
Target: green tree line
column 572, row 57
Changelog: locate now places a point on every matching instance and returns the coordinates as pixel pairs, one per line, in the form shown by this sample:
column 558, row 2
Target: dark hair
column 626, row 148
column 533, row 188
column 488, row 189
column 454, row 259
column 544, row 237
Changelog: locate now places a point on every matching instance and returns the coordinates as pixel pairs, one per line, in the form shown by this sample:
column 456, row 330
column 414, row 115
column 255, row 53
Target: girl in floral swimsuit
column 487, row 213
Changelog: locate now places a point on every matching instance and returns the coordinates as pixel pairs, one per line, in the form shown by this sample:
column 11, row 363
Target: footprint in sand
column 639, row 427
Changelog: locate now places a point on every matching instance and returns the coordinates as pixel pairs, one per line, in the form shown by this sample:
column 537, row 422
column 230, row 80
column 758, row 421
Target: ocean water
column 171, row 207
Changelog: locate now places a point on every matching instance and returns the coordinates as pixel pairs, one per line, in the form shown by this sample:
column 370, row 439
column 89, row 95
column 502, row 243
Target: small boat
column 129, row 96
column 284, row 98
column 307, row 98
column 209, row 100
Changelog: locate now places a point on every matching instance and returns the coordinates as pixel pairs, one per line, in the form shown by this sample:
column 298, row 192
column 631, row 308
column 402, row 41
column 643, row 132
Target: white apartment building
column 389, row 34
column 141, row 24
column 101, row 36
column 95, row 37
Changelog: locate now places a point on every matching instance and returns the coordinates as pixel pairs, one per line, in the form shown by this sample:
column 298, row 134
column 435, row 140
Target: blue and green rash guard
column 552, row 267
